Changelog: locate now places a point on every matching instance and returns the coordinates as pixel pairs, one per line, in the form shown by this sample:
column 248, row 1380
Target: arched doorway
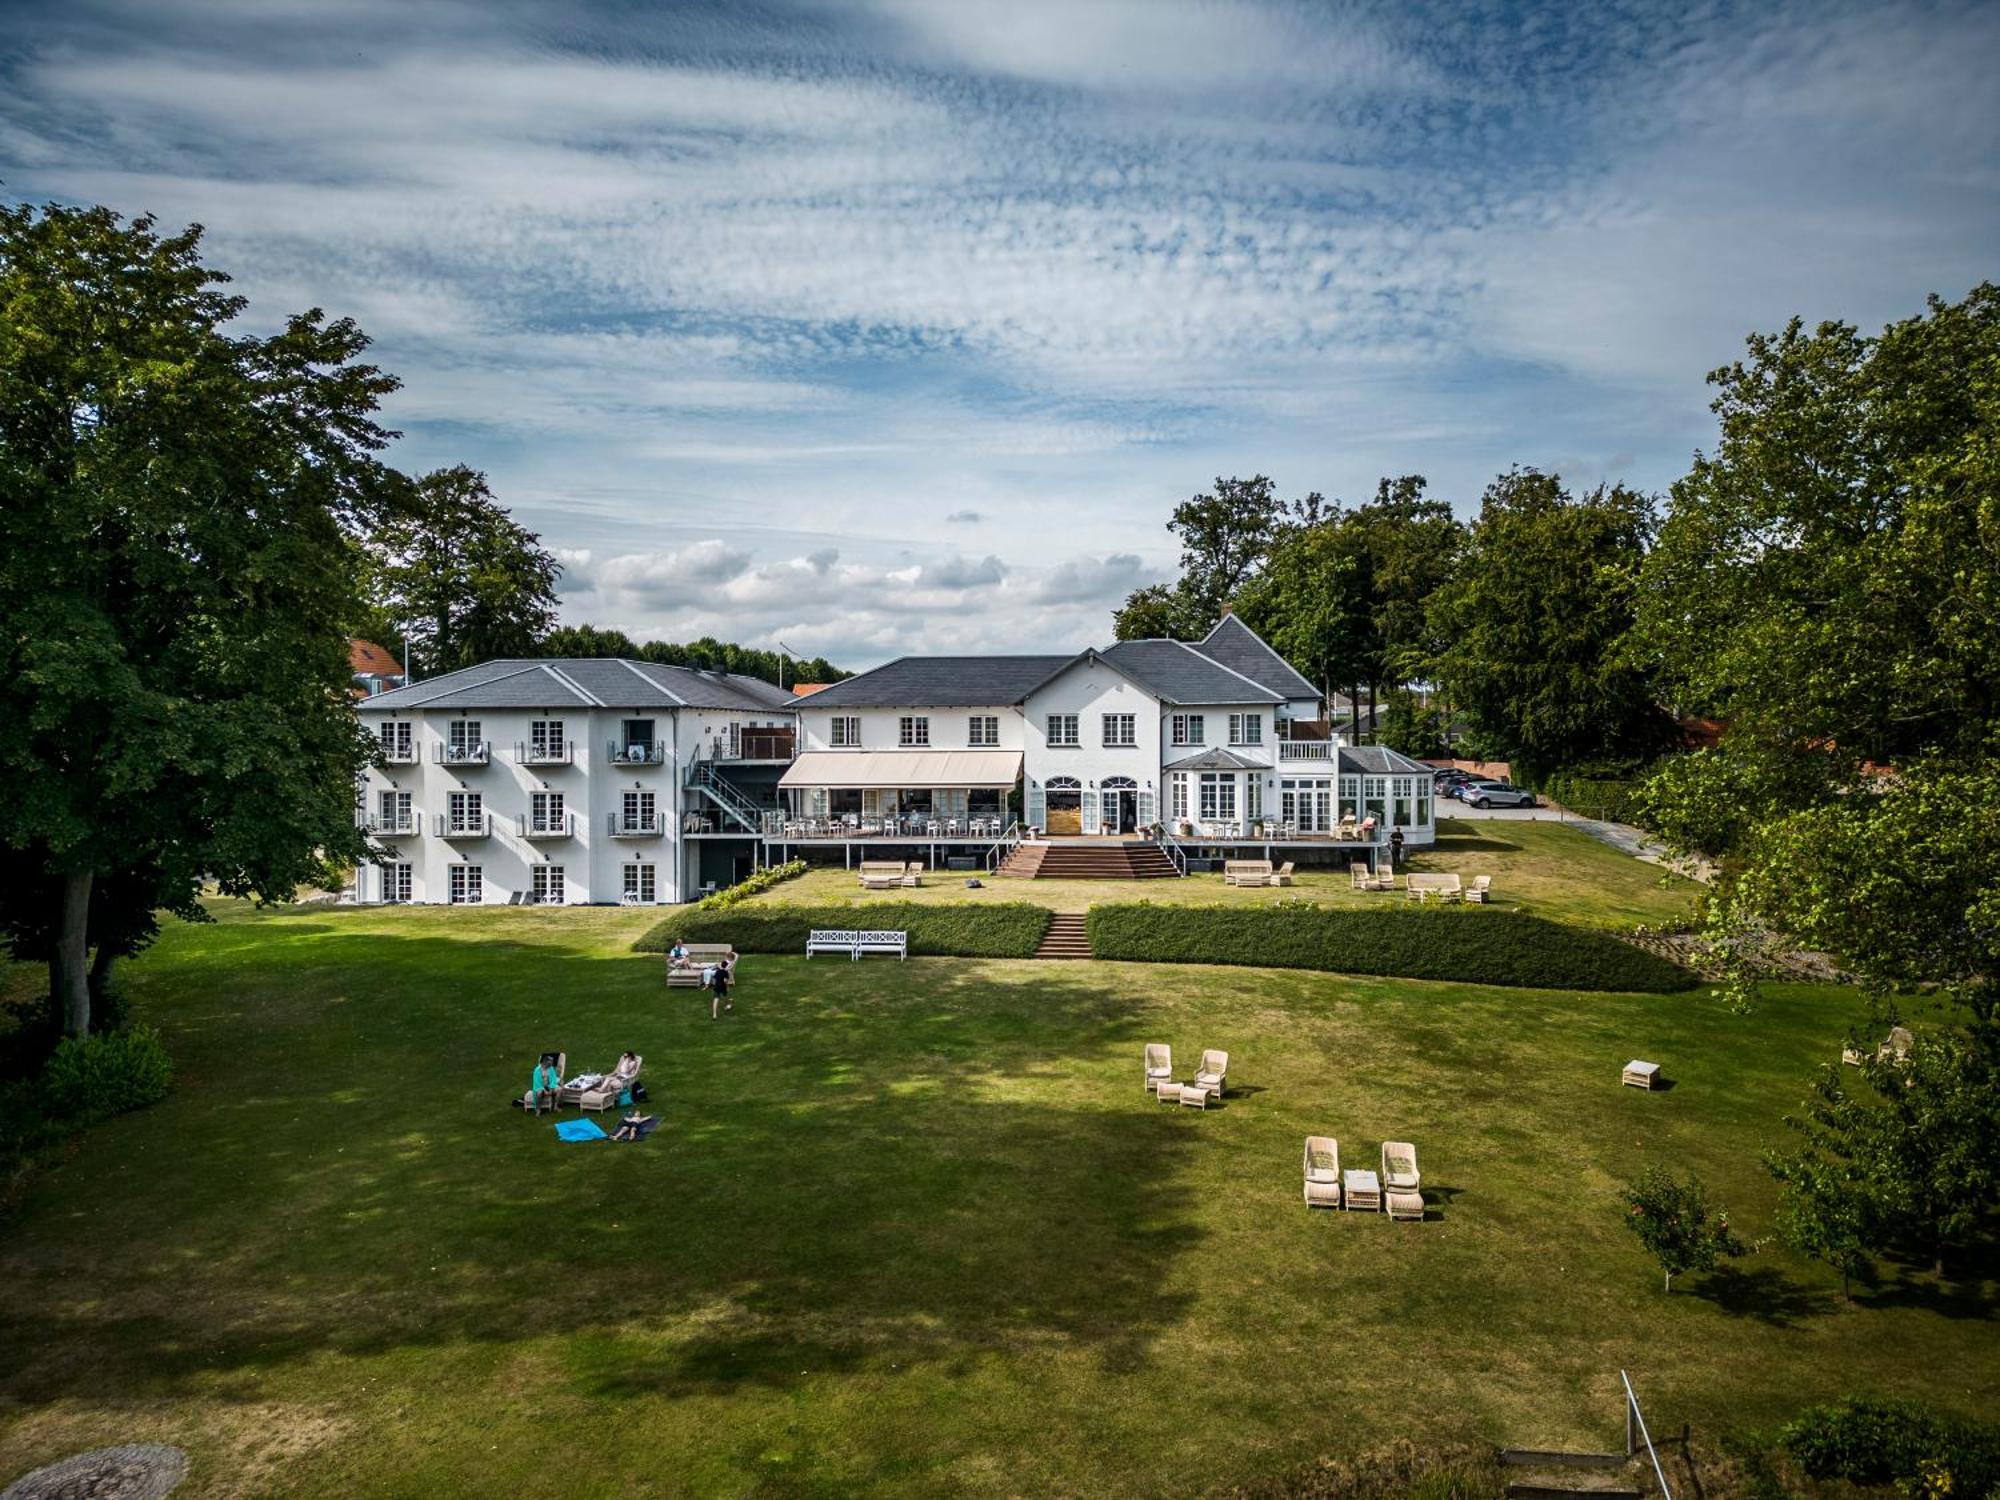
column 1121, row 804
column 1065, row 804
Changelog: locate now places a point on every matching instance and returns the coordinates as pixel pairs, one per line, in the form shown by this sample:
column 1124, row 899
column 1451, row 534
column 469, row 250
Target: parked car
column 1448, row 781
column 1482, row 793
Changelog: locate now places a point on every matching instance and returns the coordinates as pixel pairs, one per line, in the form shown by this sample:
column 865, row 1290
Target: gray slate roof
column 1379, row 760
column 1176, row 672
column 582, row 683
column 1241, row 649
column 1215, row 760
column 943, row 682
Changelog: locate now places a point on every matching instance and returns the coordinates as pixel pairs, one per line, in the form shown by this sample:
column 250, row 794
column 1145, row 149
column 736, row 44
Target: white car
column 1495, row 794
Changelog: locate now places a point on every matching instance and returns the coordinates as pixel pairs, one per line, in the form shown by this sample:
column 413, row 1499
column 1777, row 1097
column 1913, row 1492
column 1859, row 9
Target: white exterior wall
column 593, row 788
column 881, row 728
column 1090, row 690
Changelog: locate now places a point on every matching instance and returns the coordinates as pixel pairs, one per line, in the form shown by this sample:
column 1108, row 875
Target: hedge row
column 1466, row 944
column 756, row 883
column 1004, row 930
column 1592, row 796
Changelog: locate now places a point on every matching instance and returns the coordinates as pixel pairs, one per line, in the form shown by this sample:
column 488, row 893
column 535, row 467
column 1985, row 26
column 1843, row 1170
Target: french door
column 468, row 885
column 546, row 882
column 638, row 808
column 395, row 882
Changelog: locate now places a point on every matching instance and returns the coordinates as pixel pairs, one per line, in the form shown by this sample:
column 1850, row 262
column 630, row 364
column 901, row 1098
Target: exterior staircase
column 1066, row 937
column 1135, row 860
column 1555, row 1476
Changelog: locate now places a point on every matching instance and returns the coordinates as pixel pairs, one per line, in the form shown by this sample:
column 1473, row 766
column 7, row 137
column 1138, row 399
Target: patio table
column 1361, row 1189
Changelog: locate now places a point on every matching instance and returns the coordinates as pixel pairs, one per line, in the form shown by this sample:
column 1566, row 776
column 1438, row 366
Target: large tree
column 1225, row 535
column 1828, row 580
column 1537, row 618
column 465, row 581
column 177, row 580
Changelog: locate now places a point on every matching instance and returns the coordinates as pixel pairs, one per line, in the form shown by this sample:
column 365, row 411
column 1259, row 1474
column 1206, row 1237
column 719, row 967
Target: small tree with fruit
column 1674, row 1222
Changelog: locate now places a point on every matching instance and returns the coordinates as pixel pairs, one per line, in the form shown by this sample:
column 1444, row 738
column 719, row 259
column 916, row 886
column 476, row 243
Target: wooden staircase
column 1066, row 937
column 1137, row 860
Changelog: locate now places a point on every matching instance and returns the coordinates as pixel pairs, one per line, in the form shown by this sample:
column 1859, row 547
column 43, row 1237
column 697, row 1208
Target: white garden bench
column 897, row 943
column 842, row 940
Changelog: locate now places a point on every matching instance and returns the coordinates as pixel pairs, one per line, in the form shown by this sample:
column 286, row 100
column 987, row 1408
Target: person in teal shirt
column 546, row 1080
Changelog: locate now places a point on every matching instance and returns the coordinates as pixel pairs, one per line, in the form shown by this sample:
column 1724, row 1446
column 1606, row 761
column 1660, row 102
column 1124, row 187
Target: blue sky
column 902, row 324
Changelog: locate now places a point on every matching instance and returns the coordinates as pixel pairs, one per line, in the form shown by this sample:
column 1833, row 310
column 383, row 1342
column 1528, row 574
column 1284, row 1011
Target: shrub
column 1867, row 1441
column 1609, row 798
column 1469, row 944
column 743, row 890
column 106, row 1074
column 1007, row 930
column 1673, row 1221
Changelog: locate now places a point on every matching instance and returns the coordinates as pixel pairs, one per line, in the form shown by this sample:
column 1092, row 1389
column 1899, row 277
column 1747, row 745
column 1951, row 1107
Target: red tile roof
column 367, row 657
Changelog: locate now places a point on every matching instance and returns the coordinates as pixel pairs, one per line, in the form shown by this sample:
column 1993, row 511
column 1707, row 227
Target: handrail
column 1006, row 844
column 1174, row 851
column 651, row 752
column 527, row 754
column 1633, row 1414
column 703, row 777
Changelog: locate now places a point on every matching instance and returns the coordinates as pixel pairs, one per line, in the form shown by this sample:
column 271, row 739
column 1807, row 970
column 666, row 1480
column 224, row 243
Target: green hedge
column 1005, row 930
column 1592, row 796
column 1466, row 943
column 754, row 884
column 1874, row 1442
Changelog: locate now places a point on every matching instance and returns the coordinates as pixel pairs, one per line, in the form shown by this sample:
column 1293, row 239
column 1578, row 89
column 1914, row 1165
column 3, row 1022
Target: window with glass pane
column 546, row 882
column 548, row 812
column 393, row 809
column 1188, row 729
column 395, row 882
column 545, row 739
column 1375, row 797
column 467, row 811
column 463, row 737
column 639, row 883
column 1177, row 792
column 1406, row 796
column 638, row 811
column 1120, row 730
column 1246, row 729
column 1062, row 729
column 468, row 885
column 845, row 731
column 913, row 730
column 396, row 740
column 1253, row 797
column 983, row 730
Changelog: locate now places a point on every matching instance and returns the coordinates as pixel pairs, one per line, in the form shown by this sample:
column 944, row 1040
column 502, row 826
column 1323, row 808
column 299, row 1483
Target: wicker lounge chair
column 1399, row 1167
column 1213, row 1074
column 1358, row 873
column 1322, row 1166
column 1480, row 889
column 605, row 1094
column 701, row 957
column 1283, row 874
column 1159, row 1065
column 1897, row 1045
column 913, row 873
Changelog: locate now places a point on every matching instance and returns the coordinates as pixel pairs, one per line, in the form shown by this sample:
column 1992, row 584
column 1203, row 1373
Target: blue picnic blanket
column 579, row 1130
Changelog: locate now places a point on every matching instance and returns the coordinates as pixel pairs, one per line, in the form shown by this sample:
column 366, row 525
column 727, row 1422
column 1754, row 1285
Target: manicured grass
column 1543, row 868
column 907, row 1228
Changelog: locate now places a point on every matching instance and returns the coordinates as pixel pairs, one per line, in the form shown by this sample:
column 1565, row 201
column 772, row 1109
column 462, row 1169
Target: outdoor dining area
column 887, row 825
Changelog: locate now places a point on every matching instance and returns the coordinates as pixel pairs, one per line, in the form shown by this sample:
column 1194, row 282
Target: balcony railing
column 461, row 826
column 399, row 755
column 544, row 754
column 756, row 742
column 559, row 826
column 1305, row 749
column 632, row 826
column 462, row 753
column 391, row 827
column 637, row 752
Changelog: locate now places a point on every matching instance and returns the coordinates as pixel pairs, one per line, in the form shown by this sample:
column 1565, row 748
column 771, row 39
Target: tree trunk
column 1374, row 724
column 69, row 976
column 1354, row 711
column 1670, row 1283
column 101, row 963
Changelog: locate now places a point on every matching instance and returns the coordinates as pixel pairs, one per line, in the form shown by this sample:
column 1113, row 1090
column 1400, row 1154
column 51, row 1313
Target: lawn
column 907, row 1229
column 1544, row 868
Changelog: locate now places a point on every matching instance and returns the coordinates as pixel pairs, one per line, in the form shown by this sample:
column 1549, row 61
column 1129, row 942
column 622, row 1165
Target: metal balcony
column 621, row 826
column 637, row 752
column 478, row 827
column 544, row 754
column 464, row 753
column 562, row 826
column 389, row 828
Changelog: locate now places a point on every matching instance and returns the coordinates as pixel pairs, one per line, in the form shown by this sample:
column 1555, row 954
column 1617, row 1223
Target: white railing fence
column 1635, row 1423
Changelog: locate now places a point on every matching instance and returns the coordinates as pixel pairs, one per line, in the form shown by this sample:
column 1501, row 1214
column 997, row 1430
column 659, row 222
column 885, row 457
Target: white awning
column 891, row 769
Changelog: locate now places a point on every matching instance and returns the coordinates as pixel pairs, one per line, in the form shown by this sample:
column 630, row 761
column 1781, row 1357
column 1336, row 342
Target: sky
column 902, row 325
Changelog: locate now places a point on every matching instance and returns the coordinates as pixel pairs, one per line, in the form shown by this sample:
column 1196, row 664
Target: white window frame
column 398, row 740
column 1178, row 795
column 641, row 882
column 546, row 811
column 546, row 738
column 392, row 810
column 1218, row 796
column 545, row 884
column 1121, row 731
column 464, row 811
column 843, row 732
column 462, row 737
column 638, row 812
column 1189, row 729
column 982, row 731
column 913, row 730
column 468, row 885
column 1064, row 732
column 396, row 882
column 1246, row 729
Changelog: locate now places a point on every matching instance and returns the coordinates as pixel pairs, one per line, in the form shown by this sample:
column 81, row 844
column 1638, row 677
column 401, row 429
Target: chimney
column 1229, row 609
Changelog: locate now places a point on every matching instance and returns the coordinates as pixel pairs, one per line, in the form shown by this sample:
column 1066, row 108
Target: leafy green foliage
column 1871, row 1441
column 1673, row 1220
column 1414, row 728
column 108, row 1073
column 754, row 884
column 1479, row 947
column 1005, row 930
column 707, row 653
column 464, row 580
column 1918, row 1152
column 1536, row 619
column 179, row 504
column 1224, row 538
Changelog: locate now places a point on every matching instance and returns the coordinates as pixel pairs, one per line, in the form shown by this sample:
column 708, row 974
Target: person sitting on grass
column 544, row 1084
column 629, row 1127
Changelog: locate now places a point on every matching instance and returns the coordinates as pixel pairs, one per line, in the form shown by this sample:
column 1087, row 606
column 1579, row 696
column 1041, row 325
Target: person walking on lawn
column 718, row 990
